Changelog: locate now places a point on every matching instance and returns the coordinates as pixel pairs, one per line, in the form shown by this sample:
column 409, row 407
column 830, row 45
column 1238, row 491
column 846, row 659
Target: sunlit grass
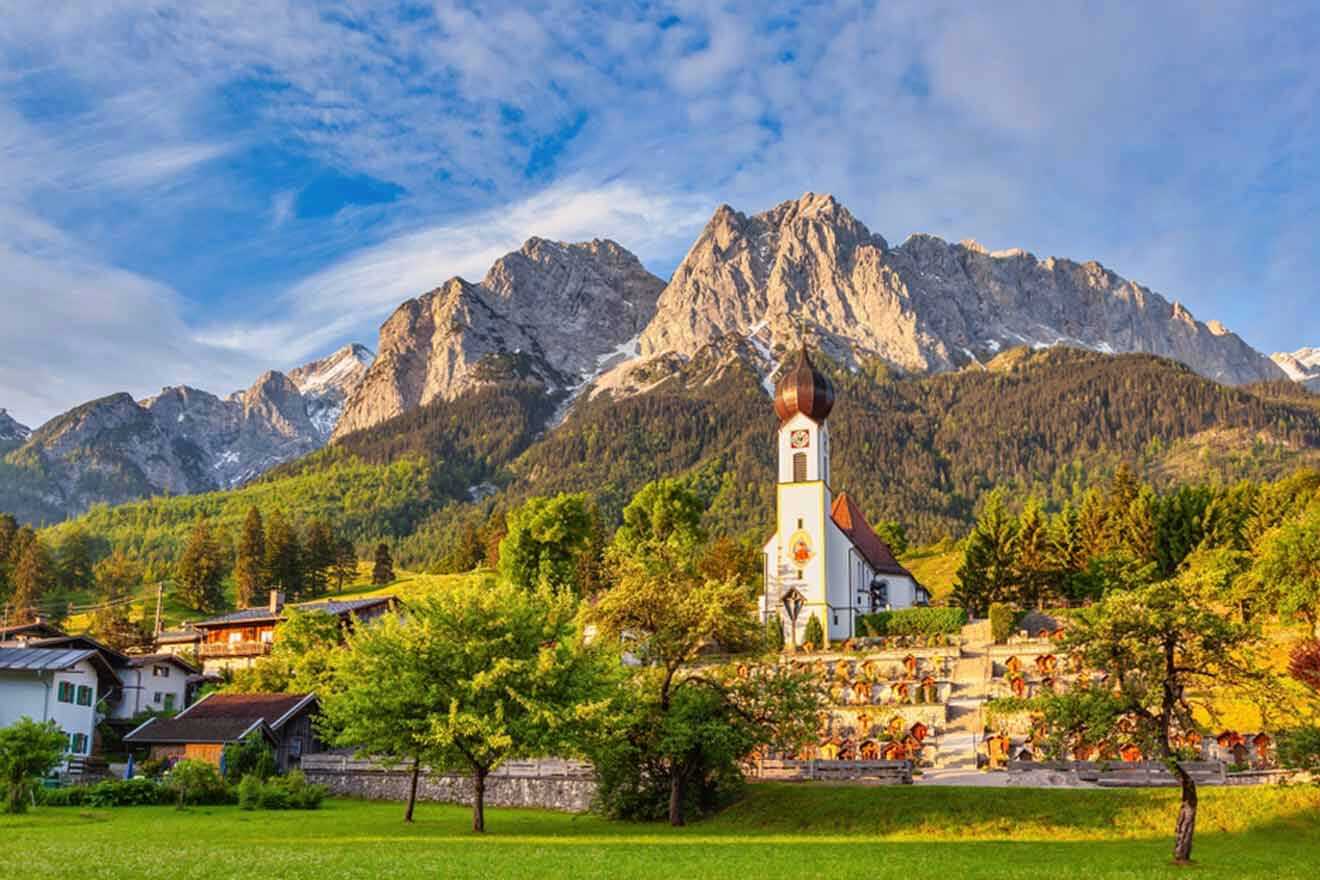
column 779, row 831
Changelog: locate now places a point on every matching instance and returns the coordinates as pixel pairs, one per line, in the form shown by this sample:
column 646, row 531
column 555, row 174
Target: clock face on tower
column 799, row 439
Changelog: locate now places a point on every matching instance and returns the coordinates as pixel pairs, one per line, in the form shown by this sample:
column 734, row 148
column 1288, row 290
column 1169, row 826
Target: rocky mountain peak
column 547, row 312
column 1301, row 366
column 927, row 305
column 11, row 431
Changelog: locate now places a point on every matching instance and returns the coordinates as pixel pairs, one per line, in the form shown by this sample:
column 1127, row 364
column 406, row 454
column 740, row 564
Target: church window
column 836, row 618
column 799, row 467
column 799, row 522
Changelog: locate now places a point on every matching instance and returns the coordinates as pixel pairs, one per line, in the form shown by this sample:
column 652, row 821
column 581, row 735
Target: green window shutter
column 65, row 694
column 84, row 695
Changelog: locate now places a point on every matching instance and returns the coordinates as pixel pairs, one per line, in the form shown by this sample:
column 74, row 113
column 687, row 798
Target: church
column 823, row 559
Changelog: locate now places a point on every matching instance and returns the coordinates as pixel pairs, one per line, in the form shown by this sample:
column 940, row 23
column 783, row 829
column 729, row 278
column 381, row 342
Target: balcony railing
column 233, row 649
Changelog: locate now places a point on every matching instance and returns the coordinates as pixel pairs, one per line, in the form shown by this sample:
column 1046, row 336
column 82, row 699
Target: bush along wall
column 913, row 622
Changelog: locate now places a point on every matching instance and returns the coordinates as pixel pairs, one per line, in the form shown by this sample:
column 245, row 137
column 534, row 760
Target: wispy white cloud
column 1176, row 142
column 354, row 295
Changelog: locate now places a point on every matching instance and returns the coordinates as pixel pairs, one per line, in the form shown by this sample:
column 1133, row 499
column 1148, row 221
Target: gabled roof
column 263, row 614
column 36, row 630
column 177, row 636
column 224, row 718
column 27, row 659
column 852, row 522
column 113, row 657
column 148, row 659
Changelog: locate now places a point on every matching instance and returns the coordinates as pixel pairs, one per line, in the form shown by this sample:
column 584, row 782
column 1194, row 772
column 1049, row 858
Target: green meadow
column 777, row 831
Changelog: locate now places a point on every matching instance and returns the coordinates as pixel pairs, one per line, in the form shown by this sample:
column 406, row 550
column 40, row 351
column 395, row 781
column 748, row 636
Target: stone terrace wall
column 550, row 784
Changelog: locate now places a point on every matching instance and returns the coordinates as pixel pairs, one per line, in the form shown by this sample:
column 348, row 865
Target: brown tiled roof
column 270, row 708
column 262, row 613
column 850, row 520
column 222, row 718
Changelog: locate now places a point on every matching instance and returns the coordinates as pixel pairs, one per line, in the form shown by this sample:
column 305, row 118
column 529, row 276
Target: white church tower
column 824, row 560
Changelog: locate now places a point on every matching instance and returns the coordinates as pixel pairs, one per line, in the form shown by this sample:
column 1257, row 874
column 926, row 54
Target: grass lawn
column 779, row 831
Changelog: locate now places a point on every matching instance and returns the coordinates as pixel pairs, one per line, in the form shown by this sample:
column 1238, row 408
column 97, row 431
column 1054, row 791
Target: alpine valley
column 569, row 366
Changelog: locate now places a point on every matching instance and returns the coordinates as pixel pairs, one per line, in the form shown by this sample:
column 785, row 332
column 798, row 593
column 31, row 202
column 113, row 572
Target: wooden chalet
column 240, row 638
column 204, row 729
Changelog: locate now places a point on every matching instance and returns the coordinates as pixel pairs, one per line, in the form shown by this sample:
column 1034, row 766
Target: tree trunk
column 412, row 789
column 1186, row 826
column 479, row 799
column 677, row 790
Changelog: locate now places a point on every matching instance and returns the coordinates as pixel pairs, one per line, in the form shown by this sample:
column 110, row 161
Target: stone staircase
column 971, row 674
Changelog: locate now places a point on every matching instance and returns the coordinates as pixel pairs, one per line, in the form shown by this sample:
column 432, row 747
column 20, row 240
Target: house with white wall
column 153, row 682
column 56, row 684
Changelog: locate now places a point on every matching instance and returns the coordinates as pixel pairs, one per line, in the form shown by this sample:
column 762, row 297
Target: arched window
column 799, row 467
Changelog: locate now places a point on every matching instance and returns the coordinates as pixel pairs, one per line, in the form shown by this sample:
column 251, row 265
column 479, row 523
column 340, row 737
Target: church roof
column 852, row 522
column 804, row 389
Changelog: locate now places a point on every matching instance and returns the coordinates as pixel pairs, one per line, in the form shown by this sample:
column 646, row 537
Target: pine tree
column 250, row 567
column 1033, row 563
column 345, row 568
column 319, row 557
column 284, row 556
column 200, row 572
column 987, row 573
column 383, row 571
column 34, row 581
column 112, row 623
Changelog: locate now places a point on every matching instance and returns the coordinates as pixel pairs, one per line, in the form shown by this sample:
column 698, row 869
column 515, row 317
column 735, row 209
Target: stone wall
column 550, row 784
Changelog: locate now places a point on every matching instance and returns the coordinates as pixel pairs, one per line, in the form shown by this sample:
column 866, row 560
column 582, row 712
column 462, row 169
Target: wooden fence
column 868, row 772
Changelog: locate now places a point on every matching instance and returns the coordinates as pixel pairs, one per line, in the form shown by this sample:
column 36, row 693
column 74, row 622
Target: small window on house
column 267, row 636
column 65, row 692
column 235, row 637
column 295, row 746
column 160, row 671
column 799, row 467
column 84, row 695
column 157, row 697
column 80, row 743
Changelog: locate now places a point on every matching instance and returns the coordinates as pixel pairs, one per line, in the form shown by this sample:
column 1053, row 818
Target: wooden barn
column 204, row 729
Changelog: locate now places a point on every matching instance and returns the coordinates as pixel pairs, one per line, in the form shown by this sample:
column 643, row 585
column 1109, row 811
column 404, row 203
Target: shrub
column 72, row 796
column 774, row 634
column 921, row 621
column 154, row 768
column 1002, row 619
column 125, row 793
column 196, row 782
column 252, row 756
column 1299, row 748
column 28, row 750
column 290, row 792
column 249, row 792
column 815, row 634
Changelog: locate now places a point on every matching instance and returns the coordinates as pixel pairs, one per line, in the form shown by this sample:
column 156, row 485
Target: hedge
column 919, row 621
column 1003, row 620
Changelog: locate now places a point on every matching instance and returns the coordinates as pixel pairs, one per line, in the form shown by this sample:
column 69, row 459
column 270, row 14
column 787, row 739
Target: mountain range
column 573, row 323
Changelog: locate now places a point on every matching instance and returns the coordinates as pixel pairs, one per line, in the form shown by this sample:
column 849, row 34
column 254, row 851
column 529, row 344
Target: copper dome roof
column 804, row 389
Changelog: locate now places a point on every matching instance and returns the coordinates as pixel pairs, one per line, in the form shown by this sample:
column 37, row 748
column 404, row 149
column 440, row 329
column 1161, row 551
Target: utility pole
column 160, row 595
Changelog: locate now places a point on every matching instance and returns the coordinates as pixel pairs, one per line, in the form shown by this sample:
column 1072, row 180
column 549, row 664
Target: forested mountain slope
column 917, row 450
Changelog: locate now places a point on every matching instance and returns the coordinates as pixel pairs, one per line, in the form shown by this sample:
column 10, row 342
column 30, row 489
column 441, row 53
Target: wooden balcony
column 212, row 650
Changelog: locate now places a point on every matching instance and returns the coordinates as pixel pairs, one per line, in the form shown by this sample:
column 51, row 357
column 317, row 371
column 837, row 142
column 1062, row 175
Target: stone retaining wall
column 552, row 785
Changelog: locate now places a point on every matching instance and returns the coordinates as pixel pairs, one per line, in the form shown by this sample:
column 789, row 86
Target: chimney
column 276, row 601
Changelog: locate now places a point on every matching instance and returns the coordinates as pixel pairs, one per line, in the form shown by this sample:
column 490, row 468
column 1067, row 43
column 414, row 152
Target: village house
column 204, row 729
column 155, row 683
column 240, row 638
column 181, row 642
column 824, row 559
column 64, row 685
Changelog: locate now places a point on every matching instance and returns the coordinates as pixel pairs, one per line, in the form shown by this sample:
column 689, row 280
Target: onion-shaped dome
column 804, row 389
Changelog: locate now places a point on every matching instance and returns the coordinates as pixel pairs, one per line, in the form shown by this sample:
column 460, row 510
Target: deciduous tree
column 545, row 539
column 477, row 677
column 28, row 750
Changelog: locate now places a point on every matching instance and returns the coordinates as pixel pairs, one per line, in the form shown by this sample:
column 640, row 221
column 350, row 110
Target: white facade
column 67, row 697
column 811, row 558
column 158, row 684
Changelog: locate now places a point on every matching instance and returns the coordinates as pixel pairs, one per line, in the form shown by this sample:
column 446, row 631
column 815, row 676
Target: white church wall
column 838, row 580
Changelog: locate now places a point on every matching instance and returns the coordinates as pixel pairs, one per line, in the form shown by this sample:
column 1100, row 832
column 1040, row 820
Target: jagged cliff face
column 926, row 305
column 182, row 440
column 1302, row 366
column 11, row 432
column 550, row 312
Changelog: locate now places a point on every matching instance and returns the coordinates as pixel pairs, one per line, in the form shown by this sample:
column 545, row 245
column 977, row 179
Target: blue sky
column 197, row 192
